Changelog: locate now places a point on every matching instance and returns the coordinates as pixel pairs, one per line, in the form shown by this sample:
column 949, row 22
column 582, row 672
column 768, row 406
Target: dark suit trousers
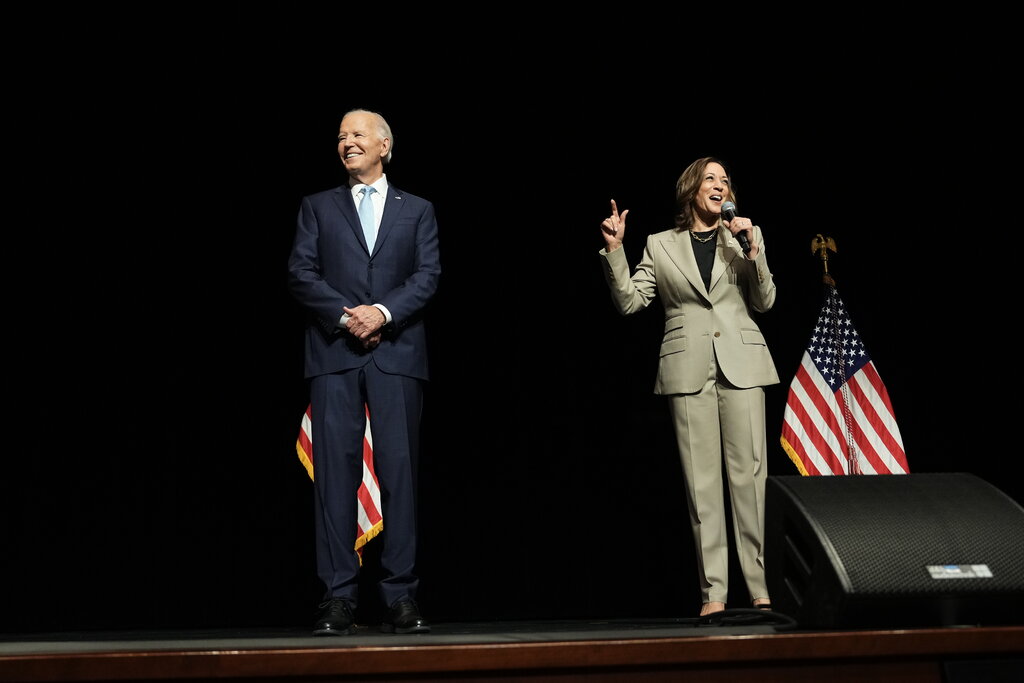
column 339, row 422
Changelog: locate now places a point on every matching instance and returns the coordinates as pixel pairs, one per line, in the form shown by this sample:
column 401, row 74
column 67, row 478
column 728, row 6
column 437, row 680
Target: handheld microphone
column 729, row 213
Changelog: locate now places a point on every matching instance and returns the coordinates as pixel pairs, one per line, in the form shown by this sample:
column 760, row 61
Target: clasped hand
column 364, row 323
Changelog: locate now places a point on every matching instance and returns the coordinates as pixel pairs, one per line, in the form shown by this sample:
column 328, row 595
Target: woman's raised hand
column 613, row 228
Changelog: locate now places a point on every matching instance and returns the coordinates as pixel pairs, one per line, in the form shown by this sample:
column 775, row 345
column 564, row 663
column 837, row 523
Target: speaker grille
column 851, row 544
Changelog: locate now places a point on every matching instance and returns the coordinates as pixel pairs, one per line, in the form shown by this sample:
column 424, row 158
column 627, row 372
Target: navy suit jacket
column 330, row 268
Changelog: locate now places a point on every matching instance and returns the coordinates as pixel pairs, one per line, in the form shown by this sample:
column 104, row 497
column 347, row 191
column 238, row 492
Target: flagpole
column 822, row 245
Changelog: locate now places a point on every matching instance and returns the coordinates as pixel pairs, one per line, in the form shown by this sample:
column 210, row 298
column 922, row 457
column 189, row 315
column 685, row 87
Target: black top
column 704, row 253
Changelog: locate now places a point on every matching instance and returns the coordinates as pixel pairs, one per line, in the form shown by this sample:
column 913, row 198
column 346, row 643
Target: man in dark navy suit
column 365, row 264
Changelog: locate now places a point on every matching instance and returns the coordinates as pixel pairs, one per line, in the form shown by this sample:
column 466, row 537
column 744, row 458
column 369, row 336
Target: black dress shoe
column 404, row 617
column 336, row 618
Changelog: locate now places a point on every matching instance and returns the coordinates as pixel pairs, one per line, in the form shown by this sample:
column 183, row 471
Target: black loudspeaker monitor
column 895, row 550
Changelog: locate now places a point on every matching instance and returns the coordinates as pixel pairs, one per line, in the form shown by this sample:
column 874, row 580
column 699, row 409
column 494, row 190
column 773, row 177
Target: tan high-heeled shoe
column 711, row 607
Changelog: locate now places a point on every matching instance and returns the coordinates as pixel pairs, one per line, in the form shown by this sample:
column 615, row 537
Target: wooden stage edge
column 942, row 655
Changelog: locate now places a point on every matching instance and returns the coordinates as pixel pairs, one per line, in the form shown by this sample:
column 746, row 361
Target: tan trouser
column 718, row 421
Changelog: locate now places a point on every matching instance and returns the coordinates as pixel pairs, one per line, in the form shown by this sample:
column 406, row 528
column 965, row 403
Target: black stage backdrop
column 152, row 476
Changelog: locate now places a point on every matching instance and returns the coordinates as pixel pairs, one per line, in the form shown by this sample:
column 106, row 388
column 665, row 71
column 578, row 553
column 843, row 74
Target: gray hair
column 383, row 129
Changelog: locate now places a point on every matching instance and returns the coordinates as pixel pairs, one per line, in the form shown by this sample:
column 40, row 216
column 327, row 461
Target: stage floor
column 737, row 622
column 738, row 643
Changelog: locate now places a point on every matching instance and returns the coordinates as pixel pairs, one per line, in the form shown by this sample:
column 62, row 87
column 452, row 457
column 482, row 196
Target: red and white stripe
column 815, row 434
column 368, row 508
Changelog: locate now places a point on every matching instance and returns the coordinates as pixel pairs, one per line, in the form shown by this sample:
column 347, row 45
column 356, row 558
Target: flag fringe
column 369, row 536
column 305, row 460
column 791, row 452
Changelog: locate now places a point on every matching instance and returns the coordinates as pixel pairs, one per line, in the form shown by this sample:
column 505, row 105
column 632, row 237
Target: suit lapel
column 393, row 205
column 680, row 252
column 724, row 255
column 343, row 198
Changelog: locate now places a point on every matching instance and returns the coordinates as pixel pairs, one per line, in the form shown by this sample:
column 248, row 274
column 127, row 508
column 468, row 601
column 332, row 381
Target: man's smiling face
column 361, row 147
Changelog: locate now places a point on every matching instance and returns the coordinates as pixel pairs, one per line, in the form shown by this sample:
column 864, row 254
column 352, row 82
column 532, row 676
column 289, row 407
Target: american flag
column 370, row 520
column 838, row 417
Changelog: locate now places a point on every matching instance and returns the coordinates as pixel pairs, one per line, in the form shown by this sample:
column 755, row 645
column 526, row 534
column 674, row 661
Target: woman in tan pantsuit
column 713, row 367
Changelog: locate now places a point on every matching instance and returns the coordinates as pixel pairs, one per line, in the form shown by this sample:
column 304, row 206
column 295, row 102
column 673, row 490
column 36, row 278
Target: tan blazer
column 698, row 321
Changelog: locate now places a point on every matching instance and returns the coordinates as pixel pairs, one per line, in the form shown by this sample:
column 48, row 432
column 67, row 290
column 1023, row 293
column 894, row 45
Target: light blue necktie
column 366, row 217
